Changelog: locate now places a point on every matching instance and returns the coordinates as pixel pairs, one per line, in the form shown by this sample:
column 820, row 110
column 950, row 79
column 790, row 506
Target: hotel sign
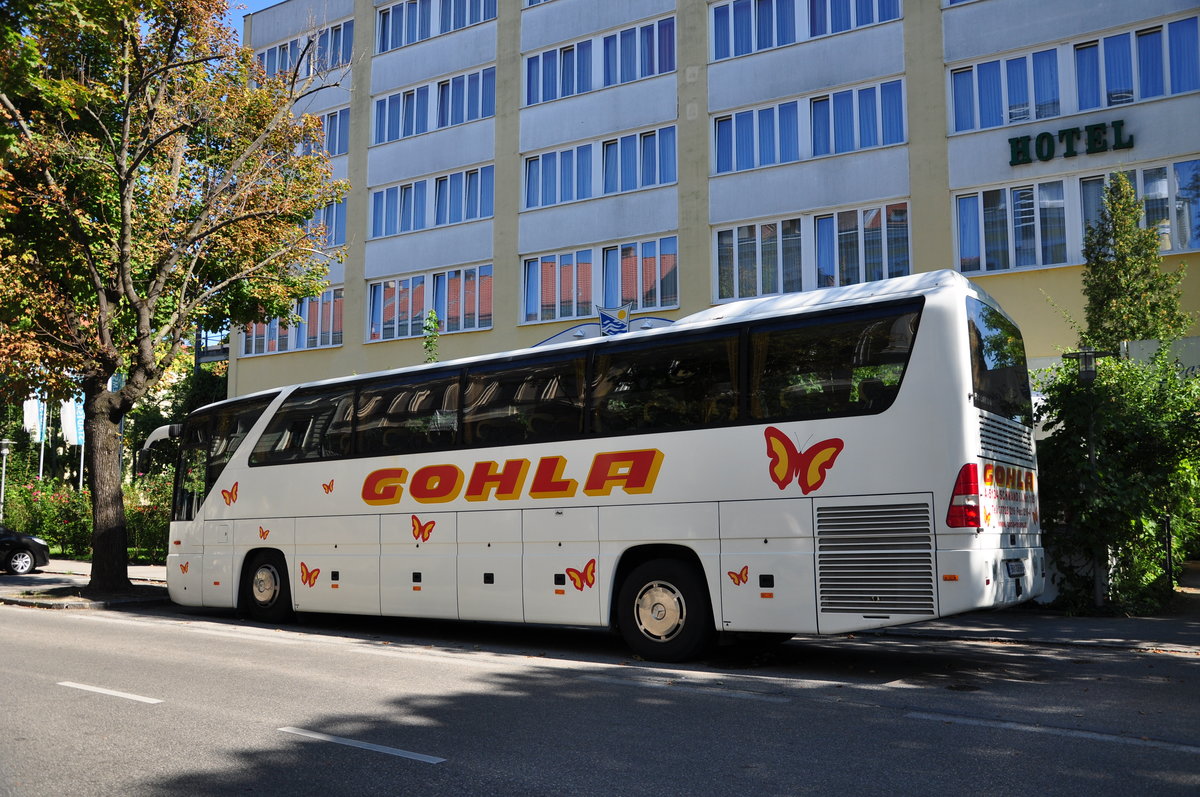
column 1069, row 142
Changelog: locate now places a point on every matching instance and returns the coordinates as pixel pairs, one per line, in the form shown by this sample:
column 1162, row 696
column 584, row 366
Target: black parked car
column 20, row 553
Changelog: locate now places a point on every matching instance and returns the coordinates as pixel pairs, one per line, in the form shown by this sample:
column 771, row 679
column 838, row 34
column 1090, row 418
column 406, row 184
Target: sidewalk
column 1176, row 631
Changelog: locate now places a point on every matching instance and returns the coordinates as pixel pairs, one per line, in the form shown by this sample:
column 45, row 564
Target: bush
column 55, row 511
column 148, row 518
column 1145, row 429
column 62, row 515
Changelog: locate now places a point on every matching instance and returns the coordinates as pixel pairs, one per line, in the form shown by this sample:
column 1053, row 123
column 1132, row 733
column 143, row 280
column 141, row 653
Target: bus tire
column 266, row 593
column 664, row 612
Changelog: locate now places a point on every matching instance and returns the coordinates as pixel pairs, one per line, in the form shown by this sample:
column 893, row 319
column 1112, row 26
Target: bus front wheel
column 267, row 595
column 664, row 613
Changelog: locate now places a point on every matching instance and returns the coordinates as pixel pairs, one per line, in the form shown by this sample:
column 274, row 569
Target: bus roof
column 746, row 309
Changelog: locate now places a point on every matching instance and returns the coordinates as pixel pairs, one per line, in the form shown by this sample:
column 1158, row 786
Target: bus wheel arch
column 661, row 604
column 265, row 592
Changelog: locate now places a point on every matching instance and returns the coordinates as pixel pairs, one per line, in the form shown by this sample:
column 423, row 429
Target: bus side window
column 311, row 424
column 406, row 416
column 838, row 366
column 525, row 403
column 661, row 388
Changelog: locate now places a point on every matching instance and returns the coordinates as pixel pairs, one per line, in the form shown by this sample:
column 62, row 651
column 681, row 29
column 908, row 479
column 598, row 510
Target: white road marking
column 378, row 748
column 1068, row 732
column 111, row 692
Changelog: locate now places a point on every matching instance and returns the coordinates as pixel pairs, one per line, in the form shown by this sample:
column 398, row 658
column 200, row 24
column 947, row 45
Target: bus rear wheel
column 266, row 593
column 663, row 611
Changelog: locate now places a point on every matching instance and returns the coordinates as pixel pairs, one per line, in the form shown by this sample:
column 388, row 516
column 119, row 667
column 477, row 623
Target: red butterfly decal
column 230, row 495
column 262, row 533
column 807, row 467
column 586, row 578
column 421, row 531
column 309, row 577
column 740, row 577
column 328, row 488
column 183, row 568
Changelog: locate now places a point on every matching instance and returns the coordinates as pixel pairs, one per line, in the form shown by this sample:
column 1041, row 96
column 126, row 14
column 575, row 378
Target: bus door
column 217, row 586
column 767, row 566
column 561, row 550
column 489, row 565
column 336, row 565
column 418, row 571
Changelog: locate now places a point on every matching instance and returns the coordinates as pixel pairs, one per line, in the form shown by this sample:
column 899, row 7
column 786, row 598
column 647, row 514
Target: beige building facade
column 516, row 165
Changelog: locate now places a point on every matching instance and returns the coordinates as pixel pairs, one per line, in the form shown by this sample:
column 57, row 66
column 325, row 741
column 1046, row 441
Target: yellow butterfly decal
column 309, row 577
column 740, row 577
column 421, row 531
column 183, row 568
column 263, row 533
column 230, row 495
column 584, row 578
column 808, row 468
column 328, row 488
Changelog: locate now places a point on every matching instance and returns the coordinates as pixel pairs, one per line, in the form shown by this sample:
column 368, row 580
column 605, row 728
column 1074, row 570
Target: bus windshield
column 1000, row 380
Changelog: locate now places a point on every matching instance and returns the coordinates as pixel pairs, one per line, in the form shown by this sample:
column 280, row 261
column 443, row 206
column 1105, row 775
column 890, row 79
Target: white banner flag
column 35, row 419
column 72, row 422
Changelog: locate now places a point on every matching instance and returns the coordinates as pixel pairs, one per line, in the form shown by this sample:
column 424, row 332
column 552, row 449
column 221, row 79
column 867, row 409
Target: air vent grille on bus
column 1005, row 440
column 875, row 559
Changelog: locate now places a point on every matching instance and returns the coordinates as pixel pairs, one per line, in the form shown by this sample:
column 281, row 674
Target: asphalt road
column 342, row 705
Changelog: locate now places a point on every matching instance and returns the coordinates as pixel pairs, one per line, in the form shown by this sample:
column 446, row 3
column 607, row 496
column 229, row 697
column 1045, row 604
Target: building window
column 465, row 98
column 462, row 298
column 400, row 208
column 283, row 58
column 759, row 259
column 458, row 14
column 404, row 23
column 625, row 56
column 643, row 272
column 1160, row 188
column 743, row 27
column 460, row 99
column 334, row 46
column 337, row 132
column 862, row 245
column 563, row 72
column 1114, row 70
column 464, row 196
column 640, row 52
column 560, row 285
column 333, row 218
column 320, row 326
column 1012, row 227
column 1129, row 66
column 858, row 119
column 757, row 137
column 639, row 160
column 996, row 93
column 838, row 16
column 459, row 197
column 556, row 177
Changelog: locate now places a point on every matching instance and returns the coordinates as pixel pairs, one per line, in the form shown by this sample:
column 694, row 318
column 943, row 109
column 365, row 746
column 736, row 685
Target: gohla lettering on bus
column 634, row 472
column 1011, row 491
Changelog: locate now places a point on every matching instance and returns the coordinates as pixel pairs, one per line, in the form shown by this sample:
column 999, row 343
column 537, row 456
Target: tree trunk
column 110, row 549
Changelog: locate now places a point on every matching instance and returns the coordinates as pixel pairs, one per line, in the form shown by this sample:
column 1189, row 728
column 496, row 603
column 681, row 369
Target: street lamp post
column 5, row 446
column 1087, row 357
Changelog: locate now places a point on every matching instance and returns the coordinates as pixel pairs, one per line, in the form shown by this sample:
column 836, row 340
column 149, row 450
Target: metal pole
column 3, row 476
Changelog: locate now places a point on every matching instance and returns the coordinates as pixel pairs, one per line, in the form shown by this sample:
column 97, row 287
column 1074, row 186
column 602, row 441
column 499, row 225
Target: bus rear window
column 999, row 377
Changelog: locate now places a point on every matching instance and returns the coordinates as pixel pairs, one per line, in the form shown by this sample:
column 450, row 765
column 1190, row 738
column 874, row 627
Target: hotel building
column 515, row 164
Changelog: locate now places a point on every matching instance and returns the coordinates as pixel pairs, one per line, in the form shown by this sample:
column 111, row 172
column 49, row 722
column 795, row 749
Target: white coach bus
column 811, row 463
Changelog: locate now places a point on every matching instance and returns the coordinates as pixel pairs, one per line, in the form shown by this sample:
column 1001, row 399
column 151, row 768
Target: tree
column 1128, row 295
column 1102, row 515
column 153, row 179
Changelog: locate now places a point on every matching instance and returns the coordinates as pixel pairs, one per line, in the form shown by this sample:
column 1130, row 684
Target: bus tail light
column 964, row 499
